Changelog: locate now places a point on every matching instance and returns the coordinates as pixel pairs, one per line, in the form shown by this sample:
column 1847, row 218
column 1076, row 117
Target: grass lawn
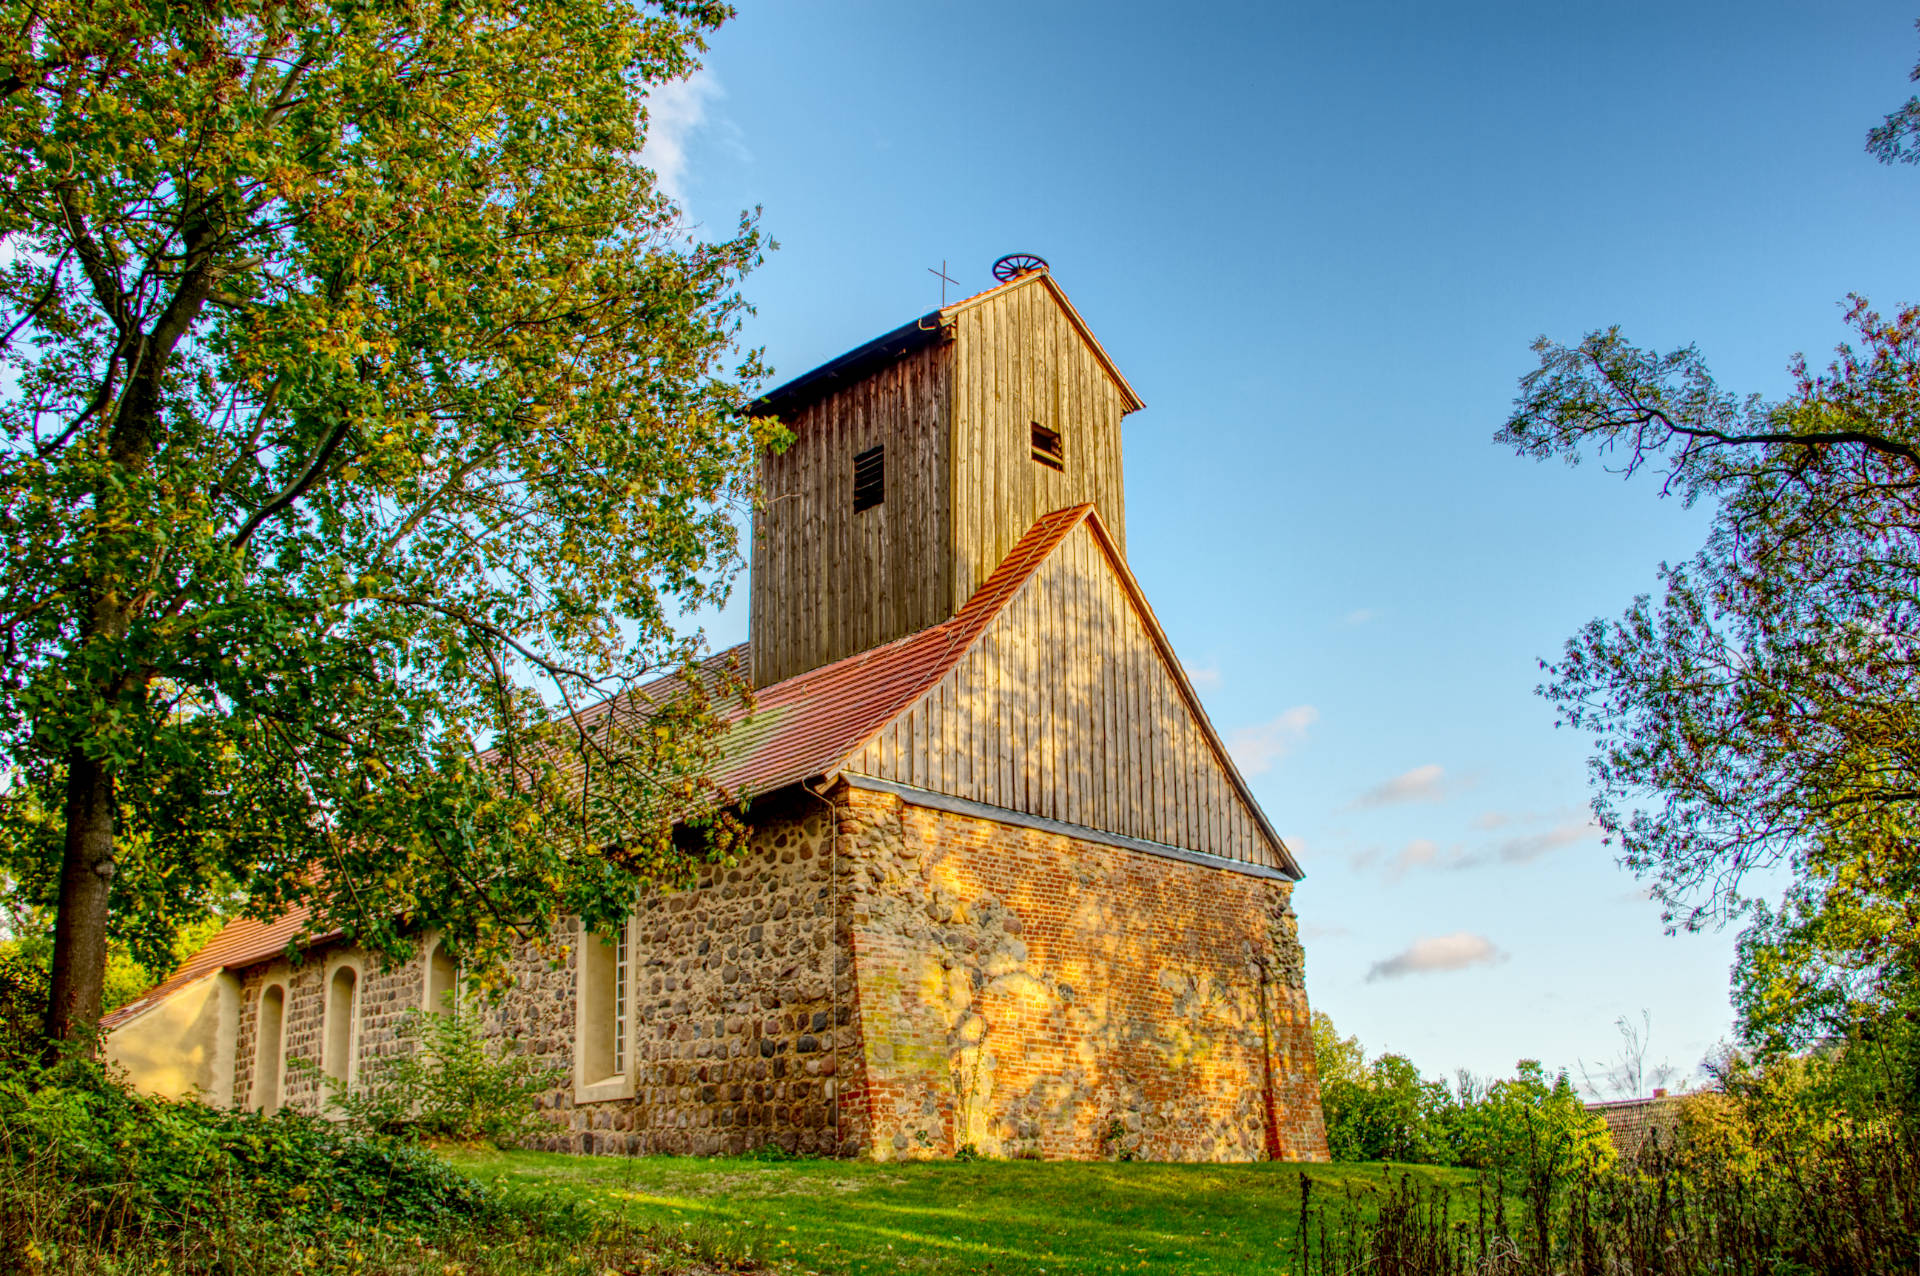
column 957, row 1217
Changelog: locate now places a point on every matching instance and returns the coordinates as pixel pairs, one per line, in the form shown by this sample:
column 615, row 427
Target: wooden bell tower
column 918, row 460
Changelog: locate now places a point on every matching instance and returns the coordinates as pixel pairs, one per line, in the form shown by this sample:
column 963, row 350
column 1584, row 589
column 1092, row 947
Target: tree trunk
column 86, row 879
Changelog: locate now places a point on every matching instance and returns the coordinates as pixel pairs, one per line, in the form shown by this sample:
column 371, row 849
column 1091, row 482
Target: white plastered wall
column 183, row 1044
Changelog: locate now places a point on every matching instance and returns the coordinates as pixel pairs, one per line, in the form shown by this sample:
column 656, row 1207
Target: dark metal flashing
column 788, row 400
column 1004, row 815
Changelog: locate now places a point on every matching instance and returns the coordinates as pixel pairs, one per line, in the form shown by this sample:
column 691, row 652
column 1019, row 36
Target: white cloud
column 1206, row 677
column 1425, row 853
column 1492, row 820
column 1422, row 784
column 1360, row 616
column 1524, row 850
column 1256, row 748
column 1441, row 952
column 1419, row 853
column 676, row 111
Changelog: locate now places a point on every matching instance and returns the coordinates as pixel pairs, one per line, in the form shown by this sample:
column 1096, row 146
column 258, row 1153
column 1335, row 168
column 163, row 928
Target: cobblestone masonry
column 958, row 981
column 737, row 1021
column 737, row 1031
column 1032, row 994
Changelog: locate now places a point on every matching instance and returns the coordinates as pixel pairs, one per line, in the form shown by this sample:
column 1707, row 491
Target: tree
column 1629, row 1076
column 369, row 411
column 1765, row 711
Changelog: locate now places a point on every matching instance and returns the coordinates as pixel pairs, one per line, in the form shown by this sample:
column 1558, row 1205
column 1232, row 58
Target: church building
column 1005, row 888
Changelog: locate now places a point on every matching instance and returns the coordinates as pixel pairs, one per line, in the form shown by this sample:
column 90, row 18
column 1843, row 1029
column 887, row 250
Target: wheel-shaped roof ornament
column 1014, row 265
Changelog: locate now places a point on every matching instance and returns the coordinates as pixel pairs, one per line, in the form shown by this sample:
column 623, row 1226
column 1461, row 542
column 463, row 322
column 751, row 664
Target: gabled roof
column 809, row 726
column 936, row 325
column 239, row 943
column 811, row 723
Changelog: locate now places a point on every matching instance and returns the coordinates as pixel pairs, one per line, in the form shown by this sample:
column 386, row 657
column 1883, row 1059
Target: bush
column 1797, row 1164
column 96, row 1180
column 449, row 1082
column 1384, row 1110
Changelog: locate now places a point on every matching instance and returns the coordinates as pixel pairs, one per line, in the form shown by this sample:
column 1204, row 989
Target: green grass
column 966, row 1217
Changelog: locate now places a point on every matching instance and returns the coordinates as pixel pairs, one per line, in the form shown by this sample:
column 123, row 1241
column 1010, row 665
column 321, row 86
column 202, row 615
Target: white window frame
column 356, row 1013
column 257, row 1098
column 614, row 1004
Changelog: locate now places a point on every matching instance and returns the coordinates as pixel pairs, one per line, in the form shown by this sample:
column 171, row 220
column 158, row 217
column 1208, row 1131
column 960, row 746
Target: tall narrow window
column 442, row 977
column 342, row 997
column 621, row 995
column 269, row 1046
column 604, row 995
column 1048, row 448
column 869, row 478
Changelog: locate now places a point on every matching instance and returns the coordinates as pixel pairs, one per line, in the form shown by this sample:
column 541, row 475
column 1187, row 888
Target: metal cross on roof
column 944, row 281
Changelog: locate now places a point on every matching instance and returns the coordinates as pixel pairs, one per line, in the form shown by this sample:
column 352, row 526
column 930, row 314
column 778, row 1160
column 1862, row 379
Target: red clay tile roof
column 800, row 728
column 806, row 725
column 239, row 943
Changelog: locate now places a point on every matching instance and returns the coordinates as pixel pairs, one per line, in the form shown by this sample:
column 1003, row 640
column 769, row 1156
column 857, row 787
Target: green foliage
column 1763, row 711
column 1520, row 1119
column 96, row 1179
column 125, row 977
column 1384, row 1110
column 1387, row 1112
column 450, row 1081
column 166, row 1158
column 23, row 999
column 366, row 405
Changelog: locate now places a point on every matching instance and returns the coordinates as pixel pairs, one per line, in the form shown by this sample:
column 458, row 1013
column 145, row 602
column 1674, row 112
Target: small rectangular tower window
column 1047, row 447
column 869, row 478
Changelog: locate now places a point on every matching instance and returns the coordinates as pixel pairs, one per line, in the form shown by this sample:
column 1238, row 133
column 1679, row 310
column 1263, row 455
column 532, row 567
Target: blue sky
column 1319, row 239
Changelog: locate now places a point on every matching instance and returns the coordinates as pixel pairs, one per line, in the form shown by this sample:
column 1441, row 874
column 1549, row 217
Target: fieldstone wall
column 897, row 981
column 383, row 999
column 1030, row 994
column 742, row 1003
column 302, row 1028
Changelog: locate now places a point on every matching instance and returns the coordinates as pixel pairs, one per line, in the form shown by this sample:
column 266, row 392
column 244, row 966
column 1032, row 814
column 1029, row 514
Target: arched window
column 343, row 995
column 443, row 978
column 269, row 1048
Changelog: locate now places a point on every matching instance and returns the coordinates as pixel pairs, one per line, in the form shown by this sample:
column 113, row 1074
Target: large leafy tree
column 367, row 406
column 1763, row 711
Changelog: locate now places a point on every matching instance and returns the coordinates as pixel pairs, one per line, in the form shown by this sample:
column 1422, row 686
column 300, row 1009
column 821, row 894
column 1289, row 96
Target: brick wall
column 1033, row 994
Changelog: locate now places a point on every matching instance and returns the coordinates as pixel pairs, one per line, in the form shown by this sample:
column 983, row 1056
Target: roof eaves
column 861, row 361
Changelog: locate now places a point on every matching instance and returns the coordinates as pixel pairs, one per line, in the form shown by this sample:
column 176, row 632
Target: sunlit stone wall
column 1031, row 994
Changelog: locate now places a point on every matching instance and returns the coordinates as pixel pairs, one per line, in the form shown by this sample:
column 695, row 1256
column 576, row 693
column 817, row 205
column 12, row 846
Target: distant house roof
column 1631, row 1122
column 864, row 360
column 803, row 728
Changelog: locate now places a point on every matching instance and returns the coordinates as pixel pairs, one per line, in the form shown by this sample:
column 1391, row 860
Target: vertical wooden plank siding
column 828, row 582
column 1019, row 362
column 1071, row 713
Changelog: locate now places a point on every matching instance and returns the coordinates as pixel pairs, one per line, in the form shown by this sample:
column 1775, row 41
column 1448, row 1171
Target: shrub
column 449, row 1082
column 97, row 1180
column 1384, row 1110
